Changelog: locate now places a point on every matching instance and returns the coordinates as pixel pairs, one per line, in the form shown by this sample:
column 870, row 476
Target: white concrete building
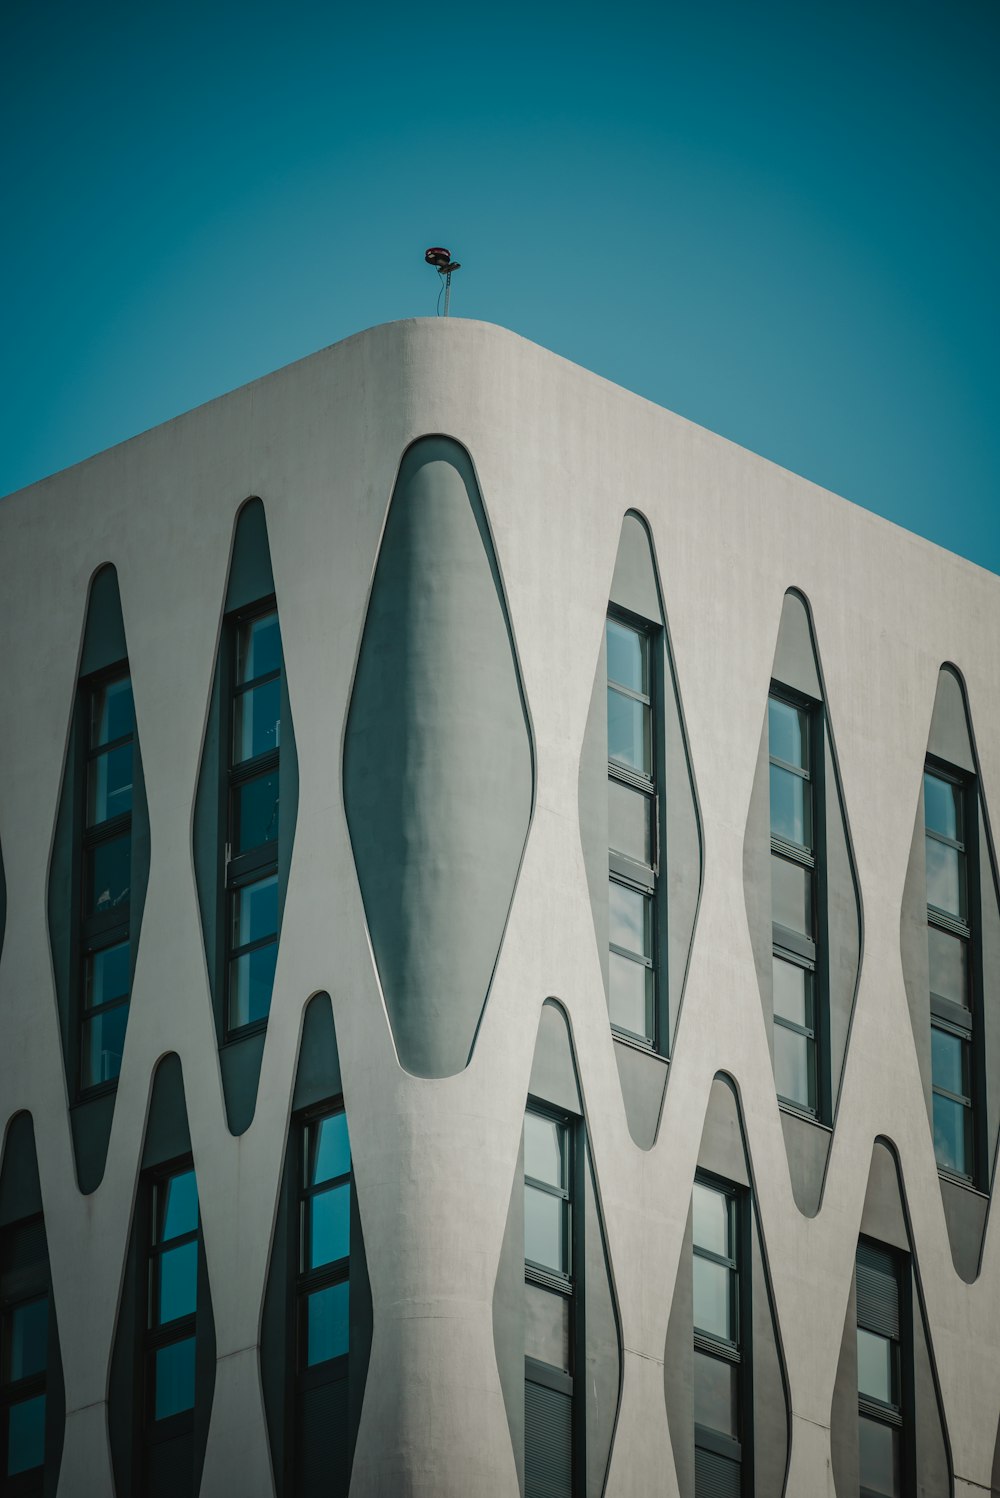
column 590, row 1082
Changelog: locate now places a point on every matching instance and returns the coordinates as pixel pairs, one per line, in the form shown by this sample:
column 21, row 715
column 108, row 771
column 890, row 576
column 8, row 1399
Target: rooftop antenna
column 442, row 262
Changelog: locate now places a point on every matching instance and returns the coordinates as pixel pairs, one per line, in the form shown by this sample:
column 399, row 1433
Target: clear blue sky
column 780, row 220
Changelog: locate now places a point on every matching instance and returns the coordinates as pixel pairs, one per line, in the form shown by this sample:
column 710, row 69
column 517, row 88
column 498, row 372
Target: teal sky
column 780, row 220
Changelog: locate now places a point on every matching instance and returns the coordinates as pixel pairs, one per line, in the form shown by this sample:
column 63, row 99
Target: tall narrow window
column 24, row 1355
column 172, row 1303
column 720, row 1314
column 632, row 832
column 252, row 845
column 882, row 1426
column 947, row 811
column 106, row 878
column 321, row 1440
column 790, row 727
column 550, row 1302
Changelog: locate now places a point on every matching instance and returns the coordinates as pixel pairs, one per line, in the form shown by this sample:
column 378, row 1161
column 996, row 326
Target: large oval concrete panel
column 437, row 761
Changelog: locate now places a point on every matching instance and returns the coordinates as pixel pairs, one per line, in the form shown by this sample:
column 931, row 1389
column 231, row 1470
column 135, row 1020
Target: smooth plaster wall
column 560, row 455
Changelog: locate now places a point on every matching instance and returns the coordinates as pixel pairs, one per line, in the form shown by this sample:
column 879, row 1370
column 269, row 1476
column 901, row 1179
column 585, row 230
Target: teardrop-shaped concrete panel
column 800, row 828
column 674, row 884
column 724, row 1161
column 950, row 948
column 438, row 776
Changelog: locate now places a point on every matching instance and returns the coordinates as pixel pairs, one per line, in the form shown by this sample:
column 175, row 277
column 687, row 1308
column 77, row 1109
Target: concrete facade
column 557, row 459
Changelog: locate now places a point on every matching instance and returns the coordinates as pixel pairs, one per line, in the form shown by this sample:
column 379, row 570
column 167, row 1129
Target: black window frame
column 257, row 864
column 898, row 1415
column 152, row 1338
column 97, row 933
column 945, row 1015
column 737, row 1354
column 29, row 1282
column 632, row 874
column 797, row 948
column 338, row 1271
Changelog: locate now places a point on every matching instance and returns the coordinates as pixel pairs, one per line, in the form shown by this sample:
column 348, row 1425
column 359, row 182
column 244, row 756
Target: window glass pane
column 629, row 732
column 28, row 1328
column 943, row 807
column 945, row 877
column 107, row 975
column 949, row 973
column 331, row 1149
column 256, row 812
column 878, row 1449
column 257, row 720
column 715, row 1394
column 255, row 911
column 630, row 822
column 109, row 785
column 630, row 918
column 787, row 732
column 113, row 713
column 952, row 1135
column 792, row 987
column 793, row 1067
column 544, row 1149
column 178, row 1282
column 173, row 1379
column 630, row 997
column 328, row 1323
column 791, row 895
column 710, row 1220
column 259, row 649
column 102, row 1045
column 329, row 1226
column 251, row 981
column 180, row 1206
column 545, row 1229
column 627, row 654
column 875, row 1366
column 546, row 1326
column 26, row 1435
column 949, row 1061
column 791, row 807
column 712, row 1308
column 108, row 875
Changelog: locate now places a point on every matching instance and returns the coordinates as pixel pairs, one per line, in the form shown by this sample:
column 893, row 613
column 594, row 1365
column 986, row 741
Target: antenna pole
column 447, row 292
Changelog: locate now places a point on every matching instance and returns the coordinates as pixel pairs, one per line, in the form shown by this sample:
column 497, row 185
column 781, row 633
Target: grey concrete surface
column 560, row 455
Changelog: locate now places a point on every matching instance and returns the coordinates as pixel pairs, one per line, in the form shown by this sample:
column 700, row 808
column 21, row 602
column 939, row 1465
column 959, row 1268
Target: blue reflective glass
column 173, row 1379
column 786, row 732
column 114, row 712
column 26, row 1435
column 256, row 812
column 331, row 1149
column 943, row 807
column 327, row 1323
column 627, row 656
column 103, row 1044
column 257, row 720
column 791, row 806
column 180, row 1212
column 251, row 983
column 259, row 650
column 108, row 875
column 178, row 1289
column 952, row 1135
column 107, row 975
column 109, row 785
column 255, row 911
column 29, row 1334
column 629, row 734
column 329, row 1226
